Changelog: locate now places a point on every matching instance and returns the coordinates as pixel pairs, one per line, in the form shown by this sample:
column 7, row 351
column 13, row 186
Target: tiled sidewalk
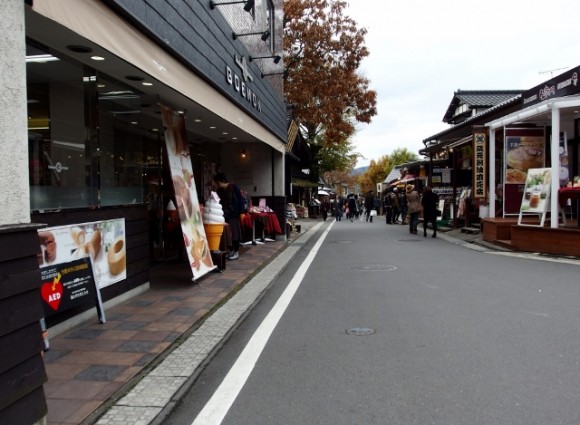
column 90, row 364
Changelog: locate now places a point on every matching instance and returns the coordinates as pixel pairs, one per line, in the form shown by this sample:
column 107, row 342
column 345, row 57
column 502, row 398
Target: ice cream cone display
column 213, row 232
column 213, row 222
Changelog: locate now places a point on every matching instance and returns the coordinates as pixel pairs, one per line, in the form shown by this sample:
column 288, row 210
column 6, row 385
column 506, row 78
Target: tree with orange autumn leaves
column 380, row 169
column 323, row 50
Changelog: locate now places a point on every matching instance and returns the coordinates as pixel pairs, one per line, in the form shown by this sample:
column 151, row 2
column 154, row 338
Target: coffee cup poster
column 101, row 241
column 524, row 149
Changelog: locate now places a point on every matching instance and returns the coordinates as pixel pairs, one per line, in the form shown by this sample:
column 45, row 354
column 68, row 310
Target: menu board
column 69, row 285
column 536, row 197
column 103, row 240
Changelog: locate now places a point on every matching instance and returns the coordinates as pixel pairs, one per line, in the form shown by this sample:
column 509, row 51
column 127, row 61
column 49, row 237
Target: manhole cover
column 409, row 240
column 360, row 331
column 374, row 268
column 340, row 242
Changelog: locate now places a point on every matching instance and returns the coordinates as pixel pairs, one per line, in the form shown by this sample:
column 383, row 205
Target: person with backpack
column 233, row 205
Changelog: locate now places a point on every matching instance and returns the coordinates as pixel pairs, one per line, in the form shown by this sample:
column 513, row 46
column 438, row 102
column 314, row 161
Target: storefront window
column 93, row 141
column 59, row 164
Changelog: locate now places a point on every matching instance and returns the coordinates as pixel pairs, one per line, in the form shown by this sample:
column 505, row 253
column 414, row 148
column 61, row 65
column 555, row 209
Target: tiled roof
column 477, row 99
column 509, row 101
column 393, row 175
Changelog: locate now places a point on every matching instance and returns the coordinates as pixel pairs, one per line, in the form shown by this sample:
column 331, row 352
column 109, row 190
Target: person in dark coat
column 369, row 205
column 352, row 207
column 388, row 207
column 233, row 205
column 429, row 204
column 339, row 208
column 324, row 207
column 395, row 205
column 403, row 206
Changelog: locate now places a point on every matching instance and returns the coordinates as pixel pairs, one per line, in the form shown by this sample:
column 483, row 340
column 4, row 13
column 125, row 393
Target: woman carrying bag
column 414, row 206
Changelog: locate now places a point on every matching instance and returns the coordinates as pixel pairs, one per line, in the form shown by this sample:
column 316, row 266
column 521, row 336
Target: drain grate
column 360, row 331
column 374, row 268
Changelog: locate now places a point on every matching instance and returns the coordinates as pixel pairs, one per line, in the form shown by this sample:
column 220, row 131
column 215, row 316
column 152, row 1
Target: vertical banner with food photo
column 194, row 237
column 102, row 241
column 524, row 149
column 536, row 198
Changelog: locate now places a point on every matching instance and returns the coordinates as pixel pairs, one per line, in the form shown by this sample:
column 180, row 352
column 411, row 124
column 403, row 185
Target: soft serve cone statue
column 213, row 221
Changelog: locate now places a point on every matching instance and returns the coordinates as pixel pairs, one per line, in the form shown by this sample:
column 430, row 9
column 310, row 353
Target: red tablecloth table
column 573, row 194
column 269, row 221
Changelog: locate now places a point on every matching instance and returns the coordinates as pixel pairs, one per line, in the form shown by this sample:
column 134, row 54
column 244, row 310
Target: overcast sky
column 422, row 51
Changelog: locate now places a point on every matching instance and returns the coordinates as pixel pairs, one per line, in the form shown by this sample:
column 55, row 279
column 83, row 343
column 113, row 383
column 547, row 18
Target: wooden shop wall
column 22, row 372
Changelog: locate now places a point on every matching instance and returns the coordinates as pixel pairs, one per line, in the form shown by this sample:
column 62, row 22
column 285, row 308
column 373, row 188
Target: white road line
column 218, row 406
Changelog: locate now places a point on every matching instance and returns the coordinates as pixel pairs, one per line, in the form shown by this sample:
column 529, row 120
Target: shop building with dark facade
column 87, row 117
column 496, row 157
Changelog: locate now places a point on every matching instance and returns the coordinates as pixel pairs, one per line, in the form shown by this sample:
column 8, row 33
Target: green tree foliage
column 402, row 156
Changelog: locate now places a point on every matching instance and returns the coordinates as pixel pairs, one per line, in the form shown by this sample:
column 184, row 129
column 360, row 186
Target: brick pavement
column 125, row 368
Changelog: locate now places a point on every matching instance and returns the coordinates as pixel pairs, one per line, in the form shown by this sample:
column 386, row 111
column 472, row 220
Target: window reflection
column 56, row 134
column 91, row 138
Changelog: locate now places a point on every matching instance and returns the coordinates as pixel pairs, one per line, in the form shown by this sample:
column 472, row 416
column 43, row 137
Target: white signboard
column 103, row 241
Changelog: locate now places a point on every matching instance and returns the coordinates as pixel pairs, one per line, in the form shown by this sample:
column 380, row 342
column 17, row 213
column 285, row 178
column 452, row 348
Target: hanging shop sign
column 480, row 165
column 196, row 244
column 565, row 84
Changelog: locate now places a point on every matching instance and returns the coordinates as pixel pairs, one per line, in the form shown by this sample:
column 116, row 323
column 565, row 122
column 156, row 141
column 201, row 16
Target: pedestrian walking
column 429, row 202
column 377, row 205
column 403, row 206
column 388, row 207
column 369, row 205
column 352, row 208
column 324, row 207
column 414, row 206
column 395, row 205
column 339, row 208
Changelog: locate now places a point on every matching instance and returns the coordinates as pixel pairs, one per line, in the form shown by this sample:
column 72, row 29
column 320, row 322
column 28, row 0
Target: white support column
column 555, row 154
column 15, row 190
column 491, row 167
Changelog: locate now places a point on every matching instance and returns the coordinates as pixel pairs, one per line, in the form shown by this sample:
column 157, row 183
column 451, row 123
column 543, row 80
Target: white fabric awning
column 533, row 111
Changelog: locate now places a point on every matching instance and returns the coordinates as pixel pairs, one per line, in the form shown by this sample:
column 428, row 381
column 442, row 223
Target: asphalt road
column 457, row 336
